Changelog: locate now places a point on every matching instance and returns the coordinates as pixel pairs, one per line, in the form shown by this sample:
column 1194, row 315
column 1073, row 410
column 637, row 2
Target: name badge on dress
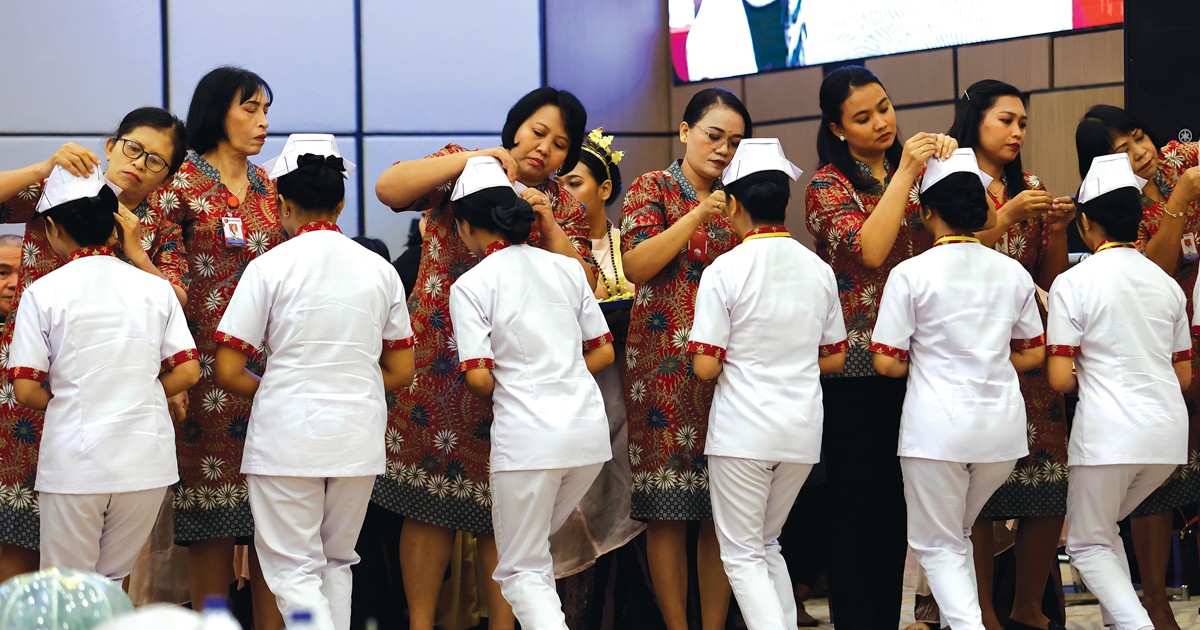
column 698, row 245
column 231, row 227
column 1188, row 244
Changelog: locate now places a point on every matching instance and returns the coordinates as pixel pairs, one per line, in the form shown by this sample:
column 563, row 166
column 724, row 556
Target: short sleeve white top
column 1125, row 322
column 101, row 331
column 528, row 315
column 768, row 308
column 955, row 313
column 323, row 308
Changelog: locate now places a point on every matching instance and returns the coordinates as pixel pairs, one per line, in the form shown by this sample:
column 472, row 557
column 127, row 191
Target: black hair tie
column 314, row 162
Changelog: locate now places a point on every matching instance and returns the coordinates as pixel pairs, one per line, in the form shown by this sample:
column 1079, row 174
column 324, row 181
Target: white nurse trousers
column 305, row 529
column 101, row 533
column 528, row 506
column 1097, row 498
column 944, row 499
column 751, row 500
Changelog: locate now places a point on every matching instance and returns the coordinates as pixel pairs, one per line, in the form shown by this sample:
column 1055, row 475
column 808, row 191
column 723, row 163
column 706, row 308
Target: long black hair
column 835, row 89
column 969, row 111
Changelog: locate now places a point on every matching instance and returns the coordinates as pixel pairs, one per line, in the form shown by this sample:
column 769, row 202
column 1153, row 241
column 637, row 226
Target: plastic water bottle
column 301, row 620
column 216, row 615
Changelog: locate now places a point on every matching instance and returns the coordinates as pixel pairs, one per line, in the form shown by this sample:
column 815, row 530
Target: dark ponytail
column 959, row 199
column 835, row 89
column 89, row 220
column 764, row 195
column 316, row 184
column 498, row 209
column 969, row 111
column 1118, row 211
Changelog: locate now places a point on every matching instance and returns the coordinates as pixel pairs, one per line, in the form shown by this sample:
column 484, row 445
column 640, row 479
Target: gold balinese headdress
column 600, row 146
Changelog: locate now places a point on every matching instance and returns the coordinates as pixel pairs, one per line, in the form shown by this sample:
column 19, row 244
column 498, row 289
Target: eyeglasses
column 717, row 140
column 134, row 150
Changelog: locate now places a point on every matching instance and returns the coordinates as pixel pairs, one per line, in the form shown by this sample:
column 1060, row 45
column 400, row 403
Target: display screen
column 712, row 39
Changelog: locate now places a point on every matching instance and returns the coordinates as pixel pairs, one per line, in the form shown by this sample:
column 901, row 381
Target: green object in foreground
column 60, row 599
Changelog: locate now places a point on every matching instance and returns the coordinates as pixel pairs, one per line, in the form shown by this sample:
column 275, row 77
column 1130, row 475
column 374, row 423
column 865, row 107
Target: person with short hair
column 1118, row 334
column 10, row 265
column 99, row 346
column 768, row 324
column 332, row 320
column 143, row 154
column 226, row 206
column 959, row 322
column 437, row 439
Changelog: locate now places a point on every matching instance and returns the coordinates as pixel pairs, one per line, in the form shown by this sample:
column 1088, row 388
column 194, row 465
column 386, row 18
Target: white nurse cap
column 1108, row 173
column 961, row 161
column 320, row 144
column 759, row 154
column 62, row 186
column 481, row 172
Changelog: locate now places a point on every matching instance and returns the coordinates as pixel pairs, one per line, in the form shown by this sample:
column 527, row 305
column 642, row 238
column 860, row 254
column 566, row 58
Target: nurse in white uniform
column 529, row 334
column 960, row 321
column 1117, row 333
column 101, row 332
column 768, row 324
column 331, row 318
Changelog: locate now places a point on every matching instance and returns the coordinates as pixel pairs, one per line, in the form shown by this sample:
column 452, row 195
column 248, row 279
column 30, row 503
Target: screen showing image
column 712, row 39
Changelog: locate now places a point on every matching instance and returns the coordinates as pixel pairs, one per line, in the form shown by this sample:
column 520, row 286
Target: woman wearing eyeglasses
column 672, row 228
column 146, row 150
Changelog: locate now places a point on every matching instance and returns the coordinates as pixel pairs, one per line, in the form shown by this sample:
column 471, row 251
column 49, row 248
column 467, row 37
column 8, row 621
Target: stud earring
column 842, row 138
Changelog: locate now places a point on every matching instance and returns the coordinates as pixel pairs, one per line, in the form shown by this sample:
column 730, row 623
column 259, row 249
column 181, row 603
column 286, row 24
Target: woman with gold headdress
column 596, row 182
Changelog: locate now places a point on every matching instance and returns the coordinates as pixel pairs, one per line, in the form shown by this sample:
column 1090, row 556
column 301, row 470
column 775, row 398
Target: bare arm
column 890, row 366
column 878, row 233
column 1028, row 359
column 76, row 159
column 1183, row 371
column 1060, row 371
column 30, row 393
column 180, row 378
column 398, row 368
column 480, row 382
column 706, row 367
column 832, row 364
column 599, row 358
column 231, row 374
column 405, row 182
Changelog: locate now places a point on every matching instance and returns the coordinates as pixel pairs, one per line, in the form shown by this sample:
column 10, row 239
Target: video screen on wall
column 712, row 39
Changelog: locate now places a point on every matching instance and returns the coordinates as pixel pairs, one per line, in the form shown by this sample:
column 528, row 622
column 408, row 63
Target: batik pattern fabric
column 438, row 437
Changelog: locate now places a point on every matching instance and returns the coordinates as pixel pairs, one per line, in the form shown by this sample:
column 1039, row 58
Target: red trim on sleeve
column 398, row 344
column 27, row 373
column 180, row 357
column 695, row 347
column 1180, row 357
column 833, row 348
column 227, row 339
column 1029, row 344
column 477, row 364
column 602, row 340
column 1062, row 351
column 886, row 350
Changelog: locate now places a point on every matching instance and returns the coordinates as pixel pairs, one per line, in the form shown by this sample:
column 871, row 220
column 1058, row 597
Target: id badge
column 231, row 227
column 1188, row 244
column 698, row 245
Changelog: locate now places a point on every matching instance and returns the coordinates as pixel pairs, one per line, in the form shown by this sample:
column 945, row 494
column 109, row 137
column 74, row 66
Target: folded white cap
column 759, row 154
column 481, row 172
column 62, row 186
column 1106, row 174
column 298, row 144
column 961, row 161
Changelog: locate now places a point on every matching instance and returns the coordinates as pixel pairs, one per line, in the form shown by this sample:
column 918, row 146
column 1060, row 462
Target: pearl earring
column 842, row 138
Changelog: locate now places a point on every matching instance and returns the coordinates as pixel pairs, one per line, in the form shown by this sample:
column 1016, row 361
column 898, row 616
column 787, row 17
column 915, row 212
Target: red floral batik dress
column 1183, row 487
column 210, row 501
column 21, row 427
column 439, row 435
column 1038, row 483
column 666, row 405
